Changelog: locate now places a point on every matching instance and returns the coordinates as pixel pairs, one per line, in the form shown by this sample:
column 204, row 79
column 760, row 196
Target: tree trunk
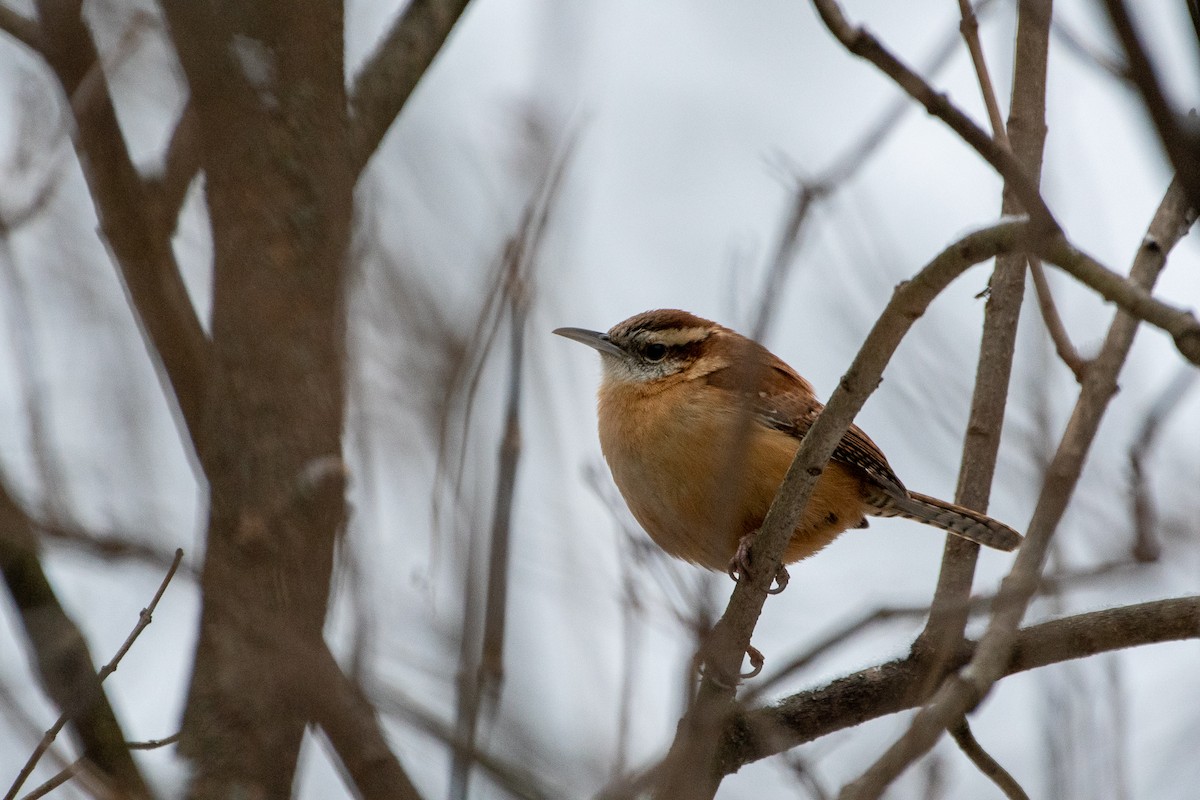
column 268, row 87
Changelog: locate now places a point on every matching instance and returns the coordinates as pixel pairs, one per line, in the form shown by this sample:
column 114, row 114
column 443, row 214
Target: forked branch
column 963, row 690
column 890, row 688
column 391, row 74
column 862, row 43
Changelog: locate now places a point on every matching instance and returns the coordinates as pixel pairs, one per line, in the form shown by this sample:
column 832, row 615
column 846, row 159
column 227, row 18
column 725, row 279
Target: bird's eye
column 655, row 352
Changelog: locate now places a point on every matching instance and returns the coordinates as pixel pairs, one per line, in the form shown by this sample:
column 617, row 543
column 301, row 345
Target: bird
column 699, row 425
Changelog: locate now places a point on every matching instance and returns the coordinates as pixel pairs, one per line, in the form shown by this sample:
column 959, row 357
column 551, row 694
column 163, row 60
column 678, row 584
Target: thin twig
column 1053, row 321
column 481, row 671
column 981, row 441
column 22, row 28
column 970, row 33
column 966, row 689
column 1180, row 140
column 390, row 75
column 1029, row 67
column 889, row 688
column 144, row 619
column 695, row 744
column 154, row 744
column 1146, row 547
column 59, row 778
column 861, row 43
column 982, row 759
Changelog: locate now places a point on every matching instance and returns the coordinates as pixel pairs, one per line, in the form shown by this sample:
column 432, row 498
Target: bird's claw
column 756, row 666
column 756, row 662
column 739, row 566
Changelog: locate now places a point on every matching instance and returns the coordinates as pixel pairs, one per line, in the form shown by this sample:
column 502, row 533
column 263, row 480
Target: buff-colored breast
column 676, row 466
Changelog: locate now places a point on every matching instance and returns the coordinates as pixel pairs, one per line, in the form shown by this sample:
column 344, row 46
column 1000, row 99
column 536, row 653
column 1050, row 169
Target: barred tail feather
column 964, row 522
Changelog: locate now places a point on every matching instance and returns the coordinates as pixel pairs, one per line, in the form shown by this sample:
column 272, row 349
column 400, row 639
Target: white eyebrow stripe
column 680, row 336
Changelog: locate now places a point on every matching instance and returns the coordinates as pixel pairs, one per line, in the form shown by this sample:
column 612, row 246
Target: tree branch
column 693, row 752
column 981, row 442
column 169, row 190
column 1053, row 321
column 65, row 666
column 140, row 247
column 889, row 688
column 1146, row 545
column 1180, row 136
column 389, row 77
column 962, row 691
column 1133, row 299
column 22, row 28
column 862, row 44
column 353, row 728
column 982, row 759
column 1027, row 120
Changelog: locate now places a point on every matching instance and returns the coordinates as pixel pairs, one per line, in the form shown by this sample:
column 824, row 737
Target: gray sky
column 688, row 118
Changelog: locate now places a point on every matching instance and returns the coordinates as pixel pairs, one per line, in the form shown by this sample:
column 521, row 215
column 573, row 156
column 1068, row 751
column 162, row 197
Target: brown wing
column 786, row 402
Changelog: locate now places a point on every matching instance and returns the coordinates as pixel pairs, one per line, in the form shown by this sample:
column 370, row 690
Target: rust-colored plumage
column 699, row 425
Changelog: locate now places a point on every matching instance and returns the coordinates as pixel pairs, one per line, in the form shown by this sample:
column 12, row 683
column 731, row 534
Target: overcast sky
column 689, row 121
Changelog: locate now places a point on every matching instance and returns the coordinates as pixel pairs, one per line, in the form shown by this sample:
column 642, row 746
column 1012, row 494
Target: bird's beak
column 599, row 341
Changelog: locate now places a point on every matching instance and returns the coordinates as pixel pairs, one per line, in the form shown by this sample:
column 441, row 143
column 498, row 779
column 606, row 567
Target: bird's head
column 656, row 345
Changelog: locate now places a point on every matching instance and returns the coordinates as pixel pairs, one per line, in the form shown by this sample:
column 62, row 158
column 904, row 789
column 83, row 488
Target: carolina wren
column 675, row 390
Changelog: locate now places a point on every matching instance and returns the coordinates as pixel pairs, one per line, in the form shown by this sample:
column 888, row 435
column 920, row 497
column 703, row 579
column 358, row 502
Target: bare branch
column 58, row 779
column 892, row 687
column 1179, row 134
column 861, row 43
column 480, row 687
column 1146, row 546
column 964, row 690
column 981, row 443
column 390, row 76
column 344, row 714
column 694, row 749
column 1029, row 103
column 1053, row 321
column 22, row 28
column 983, row 760
column 1133, row 299
column 168, row 191
column 970, row 34
column 154, row 744
column 140, row 247
column 65, row 665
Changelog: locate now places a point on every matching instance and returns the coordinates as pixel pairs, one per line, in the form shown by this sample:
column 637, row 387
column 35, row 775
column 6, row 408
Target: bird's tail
column 964, row 522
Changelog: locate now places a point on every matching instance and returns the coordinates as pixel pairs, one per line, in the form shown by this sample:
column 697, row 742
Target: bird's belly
column 697, row 492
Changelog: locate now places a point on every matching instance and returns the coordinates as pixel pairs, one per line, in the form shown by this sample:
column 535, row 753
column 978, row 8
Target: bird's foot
column 756, row 666
column 756, row 662
column 739, row 566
